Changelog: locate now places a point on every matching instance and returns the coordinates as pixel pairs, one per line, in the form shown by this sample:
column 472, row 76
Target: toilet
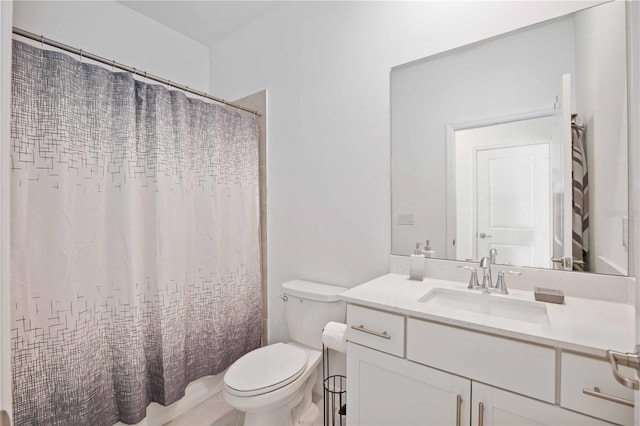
column 273, row 384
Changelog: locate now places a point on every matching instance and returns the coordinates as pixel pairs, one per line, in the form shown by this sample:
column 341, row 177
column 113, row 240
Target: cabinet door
column 386, row 390
column 502, row 408
column 580, row 373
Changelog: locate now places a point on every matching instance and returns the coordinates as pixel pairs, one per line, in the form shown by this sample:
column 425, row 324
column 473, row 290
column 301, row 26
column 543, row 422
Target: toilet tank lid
column 312, row 291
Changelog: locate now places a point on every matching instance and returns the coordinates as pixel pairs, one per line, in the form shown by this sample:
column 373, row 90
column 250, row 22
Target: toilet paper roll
column 334, row 336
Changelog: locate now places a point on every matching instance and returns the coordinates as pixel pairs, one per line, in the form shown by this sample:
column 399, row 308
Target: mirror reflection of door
column 503, row 191
column 561, row 184
column 513, row 204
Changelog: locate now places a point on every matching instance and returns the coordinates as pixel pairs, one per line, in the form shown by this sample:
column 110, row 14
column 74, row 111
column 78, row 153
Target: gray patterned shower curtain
column 134, row 244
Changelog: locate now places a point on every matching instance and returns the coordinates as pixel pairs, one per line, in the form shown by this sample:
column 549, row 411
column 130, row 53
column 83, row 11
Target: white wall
column 517, row 74
column 112, row 30
column 601, row 88
column 326, row 66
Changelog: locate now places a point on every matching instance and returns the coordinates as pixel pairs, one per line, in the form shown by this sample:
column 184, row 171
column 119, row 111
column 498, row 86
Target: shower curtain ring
column 41, row 41
column 80, row 55
column 113, row 66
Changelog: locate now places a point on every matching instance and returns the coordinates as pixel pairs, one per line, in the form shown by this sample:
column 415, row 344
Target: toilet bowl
column 273, row 384
column 268, row 383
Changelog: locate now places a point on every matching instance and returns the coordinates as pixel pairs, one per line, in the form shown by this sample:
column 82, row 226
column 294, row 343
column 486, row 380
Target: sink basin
column 486, row 304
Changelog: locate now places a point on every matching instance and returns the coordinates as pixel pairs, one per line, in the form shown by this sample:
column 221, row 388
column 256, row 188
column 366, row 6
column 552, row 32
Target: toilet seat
column 265, row 369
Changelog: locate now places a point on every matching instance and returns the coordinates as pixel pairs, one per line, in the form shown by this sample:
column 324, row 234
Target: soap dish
column 548, row 295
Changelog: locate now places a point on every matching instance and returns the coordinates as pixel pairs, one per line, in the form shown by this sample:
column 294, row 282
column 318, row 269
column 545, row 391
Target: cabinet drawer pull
column 481, row 414
column 360, row 327
column 596, row 392
column 458, row 409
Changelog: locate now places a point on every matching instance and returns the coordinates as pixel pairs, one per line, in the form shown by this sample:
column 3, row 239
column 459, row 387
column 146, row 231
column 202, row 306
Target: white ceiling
column 207, row 22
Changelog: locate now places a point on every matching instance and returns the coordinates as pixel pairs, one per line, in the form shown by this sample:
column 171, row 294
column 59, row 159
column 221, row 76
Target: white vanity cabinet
column 386, row 390
column 588, row 386
column 498, row 407
column 375, row 329
column 509, row 364
column 407, row 371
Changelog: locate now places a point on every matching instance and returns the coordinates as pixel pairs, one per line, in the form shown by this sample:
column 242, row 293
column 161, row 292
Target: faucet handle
column 501, row 284
column 473, row 280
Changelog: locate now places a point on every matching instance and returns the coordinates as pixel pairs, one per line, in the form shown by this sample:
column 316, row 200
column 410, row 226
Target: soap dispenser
column 428, row 251
column 416, row 265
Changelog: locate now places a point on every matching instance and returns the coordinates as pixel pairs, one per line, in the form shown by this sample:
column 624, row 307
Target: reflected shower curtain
column 135, row 241
column 580, row 199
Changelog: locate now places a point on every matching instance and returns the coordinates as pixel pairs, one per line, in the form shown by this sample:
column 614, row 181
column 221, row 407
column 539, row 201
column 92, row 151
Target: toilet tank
column 309, row 307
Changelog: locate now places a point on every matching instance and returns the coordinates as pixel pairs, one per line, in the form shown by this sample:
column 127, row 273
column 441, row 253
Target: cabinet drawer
column 378, row 330
column 513, row 365
column 578, row 373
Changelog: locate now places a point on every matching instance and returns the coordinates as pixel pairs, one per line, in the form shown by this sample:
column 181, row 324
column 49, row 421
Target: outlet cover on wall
column 405, row 219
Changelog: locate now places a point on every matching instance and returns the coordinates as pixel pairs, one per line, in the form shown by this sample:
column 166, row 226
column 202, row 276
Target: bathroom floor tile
column 212, row 412
column 234, row 418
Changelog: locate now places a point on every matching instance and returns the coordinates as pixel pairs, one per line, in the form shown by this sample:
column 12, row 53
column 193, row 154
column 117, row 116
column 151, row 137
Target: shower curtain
column 135, row 241
column 580, row 199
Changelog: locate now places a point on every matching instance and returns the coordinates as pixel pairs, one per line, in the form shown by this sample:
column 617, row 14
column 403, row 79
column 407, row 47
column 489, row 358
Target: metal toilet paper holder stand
column 335, row 393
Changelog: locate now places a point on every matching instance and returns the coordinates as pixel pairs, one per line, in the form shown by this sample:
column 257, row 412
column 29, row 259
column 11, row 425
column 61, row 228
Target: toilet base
column 299, row 411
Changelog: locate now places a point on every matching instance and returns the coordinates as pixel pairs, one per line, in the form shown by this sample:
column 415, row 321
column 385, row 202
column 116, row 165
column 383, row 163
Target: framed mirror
column 517, row 144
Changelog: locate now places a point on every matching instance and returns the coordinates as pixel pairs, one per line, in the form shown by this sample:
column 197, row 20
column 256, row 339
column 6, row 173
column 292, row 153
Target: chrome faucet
column 493, row 253
column 485, row 264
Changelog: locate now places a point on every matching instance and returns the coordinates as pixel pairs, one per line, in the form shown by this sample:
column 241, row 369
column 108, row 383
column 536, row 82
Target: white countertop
column 584, row 325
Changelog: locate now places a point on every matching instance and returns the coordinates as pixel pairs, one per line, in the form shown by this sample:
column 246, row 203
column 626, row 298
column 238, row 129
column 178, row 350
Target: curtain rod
column 126, row 68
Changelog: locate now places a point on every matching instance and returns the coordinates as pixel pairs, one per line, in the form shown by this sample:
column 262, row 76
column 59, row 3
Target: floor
column 216, row 412
column 212, row 412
